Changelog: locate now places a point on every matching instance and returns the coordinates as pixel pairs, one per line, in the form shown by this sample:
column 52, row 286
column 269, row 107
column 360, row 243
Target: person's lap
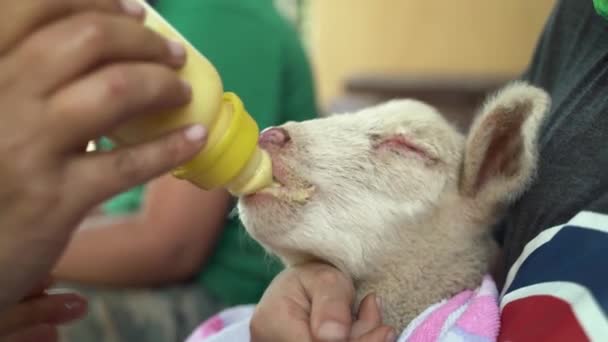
column 159, row 314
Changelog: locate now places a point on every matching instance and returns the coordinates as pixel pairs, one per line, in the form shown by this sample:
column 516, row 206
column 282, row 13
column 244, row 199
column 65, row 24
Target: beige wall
column 400, row 36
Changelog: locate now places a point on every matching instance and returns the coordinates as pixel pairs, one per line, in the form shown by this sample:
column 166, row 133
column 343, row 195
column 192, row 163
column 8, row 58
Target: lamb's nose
column 274, row 137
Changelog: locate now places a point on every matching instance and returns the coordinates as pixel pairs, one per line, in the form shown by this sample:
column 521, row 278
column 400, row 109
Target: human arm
column 167, row 241
column 51, row 109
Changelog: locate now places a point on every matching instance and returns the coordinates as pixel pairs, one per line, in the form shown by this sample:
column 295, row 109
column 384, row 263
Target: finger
column 280, row 322
column 40, row 333
column 41, row 288
column 99, row 102
column 89, row 40
column 369, row 316
column 380, row 334
column 283, row 311
column 109, row 173
column 331, row 293
column 19, row 18
column 51, row 309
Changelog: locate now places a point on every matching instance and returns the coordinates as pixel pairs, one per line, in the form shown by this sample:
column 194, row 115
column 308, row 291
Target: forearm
column 119, row 255
column 168, row 241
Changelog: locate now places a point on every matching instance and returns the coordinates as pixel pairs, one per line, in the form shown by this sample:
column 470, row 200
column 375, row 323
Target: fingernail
column 133, row 8
column 196, row 133
column 177, row 50
column 59, row 290
column 75, row 305
column 332, row 331
column 391, row 337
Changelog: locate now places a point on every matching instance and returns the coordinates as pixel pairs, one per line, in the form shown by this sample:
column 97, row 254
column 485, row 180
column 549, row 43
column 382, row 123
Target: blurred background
column 449, row 53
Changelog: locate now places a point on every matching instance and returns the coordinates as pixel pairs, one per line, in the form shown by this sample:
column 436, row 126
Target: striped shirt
column 557, row 290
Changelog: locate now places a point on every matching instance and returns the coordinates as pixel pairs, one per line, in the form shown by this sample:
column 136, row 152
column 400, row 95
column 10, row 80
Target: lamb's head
column 348, row 186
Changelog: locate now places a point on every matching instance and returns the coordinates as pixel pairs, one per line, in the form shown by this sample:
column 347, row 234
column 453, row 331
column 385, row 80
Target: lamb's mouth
column 299, row 193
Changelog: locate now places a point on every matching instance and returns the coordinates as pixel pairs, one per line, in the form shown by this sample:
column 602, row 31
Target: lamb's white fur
column 412, row 227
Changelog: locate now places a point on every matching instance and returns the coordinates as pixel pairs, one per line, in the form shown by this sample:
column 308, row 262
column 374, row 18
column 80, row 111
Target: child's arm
column 167, row 241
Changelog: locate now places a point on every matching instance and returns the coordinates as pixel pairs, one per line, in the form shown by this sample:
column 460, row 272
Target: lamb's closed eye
column 402, row 144
column 413, row 232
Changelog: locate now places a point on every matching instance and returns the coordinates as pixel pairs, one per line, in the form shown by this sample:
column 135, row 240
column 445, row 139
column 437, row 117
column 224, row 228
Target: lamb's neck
column 420, row 272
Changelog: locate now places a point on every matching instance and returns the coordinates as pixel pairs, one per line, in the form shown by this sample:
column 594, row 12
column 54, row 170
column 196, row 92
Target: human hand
column 71, row 71
column 313, row 302
column 37, row 316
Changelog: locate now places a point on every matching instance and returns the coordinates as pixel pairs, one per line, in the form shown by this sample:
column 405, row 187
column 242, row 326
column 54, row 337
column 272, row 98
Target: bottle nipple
column 256, row 174
column 231, row 158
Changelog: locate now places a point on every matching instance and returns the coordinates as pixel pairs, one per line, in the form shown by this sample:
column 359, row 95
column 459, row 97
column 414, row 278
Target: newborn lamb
column 395, row 196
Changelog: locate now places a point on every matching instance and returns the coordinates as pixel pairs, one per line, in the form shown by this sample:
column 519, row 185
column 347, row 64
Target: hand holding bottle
column 71, row 71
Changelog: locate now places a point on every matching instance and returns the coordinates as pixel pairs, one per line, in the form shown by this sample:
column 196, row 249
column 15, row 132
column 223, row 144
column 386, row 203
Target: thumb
column 332, row 294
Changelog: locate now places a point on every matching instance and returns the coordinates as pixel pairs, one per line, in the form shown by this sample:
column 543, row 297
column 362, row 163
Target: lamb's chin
column 278, row 193
column 264, row 219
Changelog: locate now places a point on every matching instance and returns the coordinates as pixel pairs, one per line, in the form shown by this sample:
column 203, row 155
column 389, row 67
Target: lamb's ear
column 501, row 148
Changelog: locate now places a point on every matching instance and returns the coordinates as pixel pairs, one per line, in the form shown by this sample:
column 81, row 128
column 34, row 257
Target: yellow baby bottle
column 231, row 157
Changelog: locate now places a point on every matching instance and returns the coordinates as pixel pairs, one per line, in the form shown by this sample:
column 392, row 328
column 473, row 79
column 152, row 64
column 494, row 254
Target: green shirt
column 260, row 57
column 601, row 7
